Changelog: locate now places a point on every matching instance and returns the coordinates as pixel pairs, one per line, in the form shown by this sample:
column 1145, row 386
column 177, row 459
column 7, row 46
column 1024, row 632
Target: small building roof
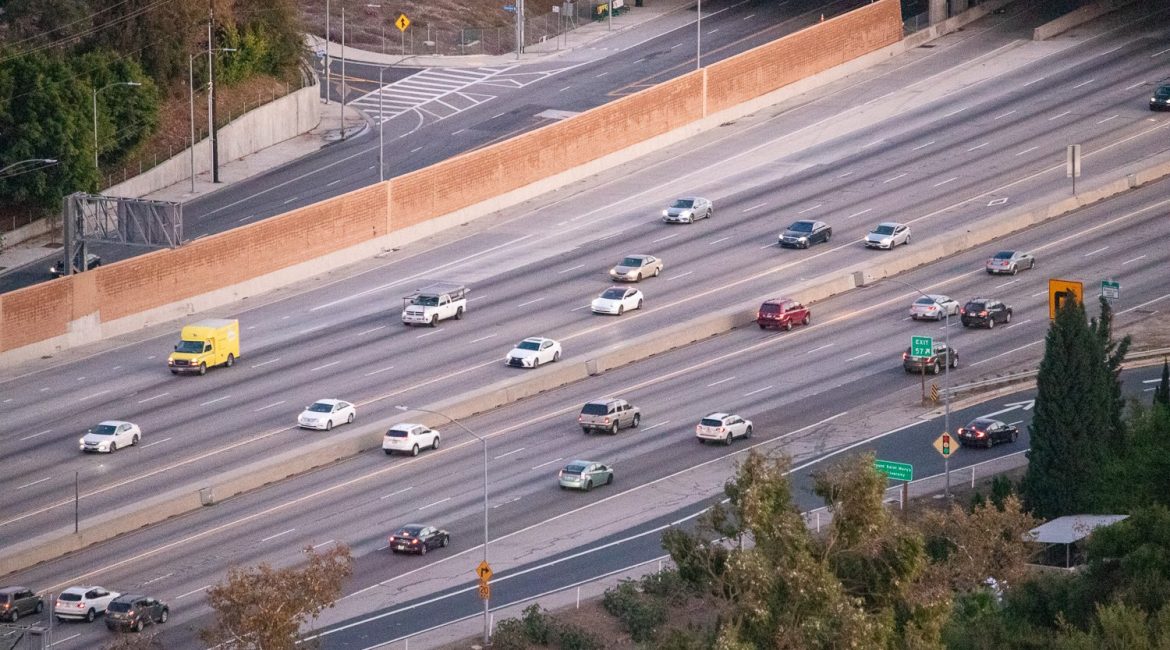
column 1073, row 528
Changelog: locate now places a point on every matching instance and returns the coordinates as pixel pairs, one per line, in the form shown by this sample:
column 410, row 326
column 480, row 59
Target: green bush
column 509, row 635
column 668, row 585
column 538, row 627
column 640, row 614
column 572, row 637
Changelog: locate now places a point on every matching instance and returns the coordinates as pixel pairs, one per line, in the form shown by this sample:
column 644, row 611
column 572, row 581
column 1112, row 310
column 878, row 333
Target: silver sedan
column 1011, row 262
column 633, row 268
column 934, row 307
column 688, row 209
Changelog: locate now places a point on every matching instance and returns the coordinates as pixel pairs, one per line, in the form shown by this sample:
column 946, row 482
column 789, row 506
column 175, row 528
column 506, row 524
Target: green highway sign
column 1111, row 289
column 896, row 471
column 921, row 346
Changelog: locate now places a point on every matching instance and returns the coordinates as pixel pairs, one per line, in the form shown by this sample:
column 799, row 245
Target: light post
column 21, row 163
column 95, row 129
column 699, row 37
column 486, row 601
column 381, row 130
column 946, row 378
column 381, row 23
column 191, row 97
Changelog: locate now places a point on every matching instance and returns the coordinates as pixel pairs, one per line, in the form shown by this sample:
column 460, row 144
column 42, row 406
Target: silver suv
column 609, row 415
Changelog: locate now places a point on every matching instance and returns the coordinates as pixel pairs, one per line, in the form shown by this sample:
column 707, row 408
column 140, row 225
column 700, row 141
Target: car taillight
column 414, row 541
column 983, row 314
column 905, row 355
column 719, row 430
column 963, row 310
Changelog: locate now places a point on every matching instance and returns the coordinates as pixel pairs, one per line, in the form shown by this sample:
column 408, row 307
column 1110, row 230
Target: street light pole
column 19, row 163
column 76, row 498
column 381, row 130
column 699, row 37
column 191, row 100
column 95, row 126
column 483, row 441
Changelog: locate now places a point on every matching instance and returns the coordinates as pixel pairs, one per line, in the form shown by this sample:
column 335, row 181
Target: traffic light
column 946, row 444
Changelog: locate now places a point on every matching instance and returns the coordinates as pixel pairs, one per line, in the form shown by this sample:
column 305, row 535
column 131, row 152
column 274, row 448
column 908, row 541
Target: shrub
column 640, row 614
column 668, row 585
column 509, row 635
column 572, row 637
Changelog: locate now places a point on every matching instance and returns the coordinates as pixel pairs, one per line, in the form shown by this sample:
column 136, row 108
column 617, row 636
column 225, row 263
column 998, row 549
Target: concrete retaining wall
column 274, row 122
column 1078, row 17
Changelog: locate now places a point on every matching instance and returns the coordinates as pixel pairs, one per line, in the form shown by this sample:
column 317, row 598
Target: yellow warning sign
column 402, row 23
column 1061, row 290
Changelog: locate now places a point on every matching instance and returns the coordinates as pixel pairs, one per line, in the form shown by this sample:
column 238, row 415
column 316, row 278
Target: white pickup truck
column 433, row 303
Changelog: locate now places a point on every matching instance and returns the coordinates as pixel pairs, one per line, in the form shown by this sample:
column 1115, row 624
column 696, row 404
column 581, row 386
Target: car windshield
column 574, row 469
column 631, row 261
column 711, row 422
column 883, row 230
column 320, row 407
column 1162, row 92
column 1003, row 255
column 189, row 346
column 802, row 226
column 117, row 606
column 614, row 294
column 594, row 408
column 427, row 301
column 104, row 430
column 683, row 203
column 70, row 597
column 529, row 345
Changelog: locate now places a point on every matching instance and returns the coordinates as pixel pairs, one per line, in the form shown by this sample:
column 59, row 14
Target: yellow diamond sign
column 946, row 445
column 402, row 23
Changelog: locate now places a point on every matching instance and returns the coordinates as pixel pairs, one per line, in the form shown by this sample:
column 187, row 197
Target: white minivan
column 409, row 438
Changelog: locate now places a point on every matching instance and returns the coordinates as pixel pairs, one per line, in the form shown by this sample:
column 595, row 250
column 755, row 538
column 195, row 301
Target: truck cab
column 431, row 304
column 206, row 344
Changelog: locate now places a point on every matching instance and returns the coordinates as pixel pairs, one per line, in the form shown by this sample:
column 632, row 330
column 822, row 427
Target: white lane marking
column 530, row 302
column 1027, row 150
column 749, row 16
column 1141, row 257
column 508, row 453
column 271, row 537
column 416, row 150
column 476, row 298
column 332, row 183
column 656, row 425
column 952, row 178
column 424, row 334
column 758, row 390
column 548, row 463
column 1004, row 114
column 1084, row 83
column 1148, row 302
column 97, row 394
column 430, row 505
column 496, row 115
column 848, row 173
column 823, row 347
column 601, row 75
column 322, row 367
column 1000, row 286
column 675, row 45
column 810, row 208
column 1132, row 86
column 664, row 238
column 858, row 214
column 923, row 146
column 1039, row 293
column 274, row 404
column 64, row 640
column 1111, row 117
column 767, row 246
column 265, row 363
column 680, row 275
column 484, row 338
column 874, row 143
column 316, row 546
column 287, row 201
column 396, row 493
column 721, row 381
column 1002, row 354
column 8, row 400
column 890, row 180
column 564, row 89
column 1020, row 322
column 372, row 329
column 459, row 131
column 863, row 354
column 758, row 205
column 1035, row 81
column 378, row 371
column 978, row 146
column 717, row 241
column 504, row 503
column 218, row 399
column 44, row 389
column 154, row 442
column 152, row 580
column 713, row 30
column 192, row 592
column 116, row 367
column 41, row 433
column 1158, row 54
column 1099, row 250
column 34, row 482
column 1055, row 117
column 571, row 268
column 956, row 112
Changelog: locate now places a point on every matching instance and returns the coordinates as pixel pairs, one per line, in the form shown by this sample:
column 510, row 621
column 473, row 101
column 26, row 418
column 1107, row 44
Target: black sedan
column 985, row 312
column 417, row 538
column 804, row 233
column 1160, row 100
column 986, row 432
column 92, row 261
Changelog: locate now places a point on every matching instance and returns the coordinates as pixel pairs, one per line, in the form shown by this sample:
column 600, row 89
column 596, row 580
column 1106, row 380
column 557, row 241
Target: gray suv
column 19, row 601
column 609, row 415
column 135, row 611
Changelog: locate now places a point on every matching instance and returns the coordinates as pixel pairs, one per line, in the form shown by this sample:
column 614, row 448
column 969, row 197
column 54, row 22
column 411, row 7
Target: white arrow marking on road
column 1011, row 406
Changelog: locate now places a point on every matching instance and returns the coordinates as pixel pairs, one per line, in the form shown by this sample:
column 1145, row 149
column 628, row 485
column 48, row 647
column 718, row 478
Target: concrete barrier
column 1078, row 17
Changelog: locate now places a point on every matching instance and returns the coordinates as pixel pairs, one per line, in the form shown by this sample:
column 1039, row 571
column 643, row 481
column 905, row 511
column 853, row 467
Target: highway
column 810, row 392
column 533, row 269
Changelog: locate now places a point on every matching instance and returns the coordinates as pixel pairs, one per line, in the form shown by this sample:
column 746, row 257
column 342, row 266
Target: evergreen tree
column 1112, row 353
column 1162, row 392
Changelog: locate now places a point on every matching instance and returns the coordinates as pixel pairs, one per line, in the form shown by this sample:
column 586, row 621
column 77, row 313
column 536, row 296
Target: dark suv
column 19, row 601
column 985, row 312
column 1160, row 100
column 134, row 612
column 934, row 363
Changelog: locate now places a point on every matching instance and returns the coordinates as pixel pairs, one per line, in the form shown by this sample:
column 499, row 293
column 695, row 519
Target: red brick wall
column 766, row 68
column 35, row 313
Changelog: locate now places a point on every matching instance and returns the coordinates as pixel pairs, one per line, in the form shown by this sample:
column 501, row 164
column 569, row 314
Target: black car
column 986, row 432
column 934, row 363
column 92, row 261
column 985, row 312
column 804, row 233
column 19, row 601
column 416, row 538
column 135, row 611
column 1160, row 100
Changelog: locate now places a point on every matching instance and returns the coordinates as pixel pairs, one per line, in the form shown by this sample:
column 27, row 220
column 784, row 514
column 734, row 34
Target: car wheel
column 613, row 429
column 434, row 320
column 637, row 420
column 907, row 240
column 414, row 450
column 1015, row 434
column 806, row 319
column 138, row 625
column 349, row 420
column 329, row 425
column 936, row 368
column 12, row 618
column 162, row 618
column 621, row 309
column 727, row 440
column 1014, row 270
column 556, row 357
column 202, row 369
column 113, row 447
column 639, row 278
column 459, row 314
column 749, row 432
column 991, row 323
column 174, row 372
column 389, row 452
column 609, row 481
column 1031, row 264
column 422, row 550
column 435, row 443
column 955, row 362
column 657, row 271
column 700, row 440
column 990, row 443
column 405, row 324
column 134, row 441
column 828, row 235
column 588, row 485
column 639, row 305
column 536, row 362
column 788, row 325
column 585, row 430
column 231, row 360
column 762, row 326
column 90, row 615
column 1007, row 318
column 40, row 608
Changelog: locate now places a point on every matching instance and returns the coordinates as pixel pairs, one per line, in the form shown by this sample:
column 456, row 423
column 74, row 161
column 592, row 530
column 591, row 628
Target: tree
column 967, row 547
column 134, row 641
column 1077, row 422
column 263, row 608
column 1162, row 392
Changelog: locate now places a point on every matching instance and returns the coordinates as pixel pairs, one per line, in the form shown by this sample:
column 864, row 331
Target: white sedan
column 108, row 436
column 616, row 300
column 888, row 235
column 324, row 413
column 934, row 307
column 533, row 351
column 83, row 602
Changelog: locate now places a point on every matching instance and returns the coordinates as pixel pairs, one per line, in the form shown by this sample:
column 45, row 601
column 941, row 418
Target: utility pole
column 211, row 98
column 327, row 72
column 343, row 71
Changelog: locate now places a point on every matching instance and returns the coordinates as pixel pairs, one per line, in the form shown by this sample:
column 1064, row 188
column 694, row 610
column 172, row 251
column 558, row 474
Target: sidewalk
column 40, row 249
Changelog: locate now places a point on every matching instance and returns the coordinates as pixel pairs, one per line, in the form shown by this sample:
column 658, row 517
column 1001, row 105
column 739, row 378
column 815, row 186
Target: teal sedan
column 584, row 475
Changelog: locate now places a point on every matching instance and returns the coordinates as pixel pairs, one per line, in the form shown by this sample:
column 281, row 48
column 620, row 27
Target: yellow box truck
column 205, row 344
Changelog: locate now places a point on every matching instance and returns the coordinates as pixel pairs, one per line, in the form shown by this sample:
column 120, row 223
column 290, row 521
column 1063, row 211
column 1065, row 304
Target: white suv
column 723, row 427
column 409, row 438
column 83, row 602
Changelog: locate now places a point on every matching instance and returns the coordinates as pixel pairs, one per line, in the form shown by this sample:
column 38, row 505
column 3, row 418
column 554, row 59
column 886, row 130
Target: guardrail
column 1133, row 360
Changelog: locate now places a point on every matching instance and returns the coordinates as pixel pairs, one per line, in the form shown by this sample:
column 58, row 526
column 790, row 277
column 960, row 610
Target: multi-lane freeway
column 930, row 138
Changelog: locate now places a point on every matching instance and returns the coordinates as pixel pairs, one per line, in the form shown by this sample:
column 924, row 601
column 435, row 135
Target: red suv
column 782, row 312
